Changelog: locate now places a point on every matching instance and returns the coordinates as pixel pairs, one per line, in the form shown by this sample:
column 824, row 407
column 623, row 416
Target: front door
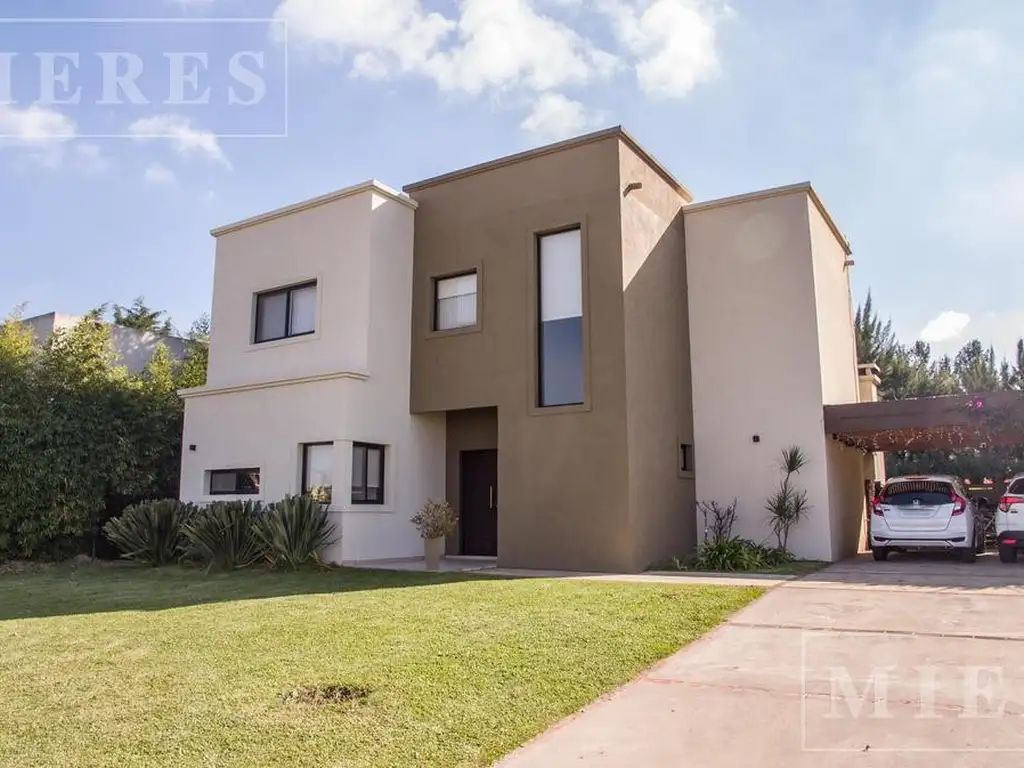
column 478, row 503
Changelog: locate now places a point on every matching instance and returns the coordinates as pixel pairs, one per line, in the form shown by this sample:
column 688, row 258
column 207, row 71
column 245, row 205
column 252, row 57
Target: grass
column 118, row 666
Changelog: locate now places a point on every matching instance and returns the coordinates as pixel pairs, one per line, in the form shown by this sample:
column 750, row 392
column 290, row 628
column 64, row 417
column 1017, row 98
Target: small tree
column 141, row 317
column 788, row 505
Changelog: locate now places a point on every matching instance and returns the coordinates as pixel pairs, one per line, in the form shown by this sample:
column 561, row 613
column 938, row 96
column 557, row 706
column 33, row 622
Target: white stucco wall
column 348, row 382
column 756, row 360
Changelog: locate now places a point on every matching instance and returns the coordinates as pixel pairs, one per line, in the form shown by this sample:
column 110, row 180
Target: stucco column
column 868, row 380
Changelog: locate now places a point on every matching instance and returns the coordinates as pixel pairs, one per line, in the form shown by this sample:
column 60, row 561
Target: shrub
column 718, row 520
column 150, row 532
column 225, row 535
column 788, row 505
column 295, row 530
column 436, row 520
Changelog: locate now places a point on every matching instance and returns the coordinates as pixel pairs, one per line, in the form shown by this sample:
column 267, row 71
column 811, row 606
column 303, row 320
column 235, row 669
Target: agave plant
column 295, row 531
column 224, row 535
column 150, row 532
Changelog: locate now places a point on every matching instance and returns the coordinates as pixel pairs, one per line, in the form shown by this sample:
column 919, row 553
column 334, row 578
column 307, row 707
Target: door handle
column 490, row 503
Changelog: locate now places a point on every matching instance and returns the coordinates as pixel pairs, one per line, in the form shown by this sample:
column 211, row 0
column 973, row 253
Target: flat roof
column 371, row 185
column 560, row 146
column 804, row 186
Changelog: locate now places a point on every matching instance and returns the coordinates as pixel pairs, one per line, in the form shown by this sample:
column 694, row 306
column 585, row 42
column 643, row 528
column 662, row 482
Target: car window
column 1016, row 487
column 923, row 492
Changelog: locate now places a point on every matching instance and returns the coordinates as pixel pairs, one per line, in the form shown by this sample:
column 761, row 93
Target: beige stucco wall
column 756, row 359
column 658, row 396
column 840, row 383
column 348, row 382
column 562, row 473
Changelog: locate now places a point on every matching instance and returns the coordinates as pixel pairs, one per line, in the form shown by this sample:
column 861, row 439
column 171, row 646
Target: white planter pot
column 435, row 553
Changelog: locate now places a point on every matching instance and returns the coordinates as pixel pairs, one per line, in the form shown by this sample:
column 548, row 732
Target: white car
column 925, row 512
column 1010, row 520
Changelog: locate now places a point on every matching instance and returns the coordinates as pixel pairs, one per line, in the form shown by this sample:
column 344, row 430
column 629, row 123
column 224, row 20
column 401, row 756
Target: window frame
column 538, row 289
column 236, row 472
column 303, row 488
column 366, row 476
column 686, row 465
column 287, row 290
column 435, row 315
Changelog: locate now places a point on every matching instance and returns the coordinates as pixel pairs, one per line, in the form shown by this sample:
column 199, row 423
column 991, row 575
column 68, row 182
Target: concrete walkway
column 862, row 664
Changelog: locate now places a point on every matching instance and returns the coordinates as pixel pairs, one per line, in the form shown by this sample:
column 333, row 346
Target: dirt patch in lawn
column 326, row 694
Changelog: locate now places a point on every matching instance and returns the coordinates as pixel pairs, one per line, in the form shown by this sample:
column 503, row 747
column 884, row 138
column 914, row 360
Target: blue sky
column 906, row 116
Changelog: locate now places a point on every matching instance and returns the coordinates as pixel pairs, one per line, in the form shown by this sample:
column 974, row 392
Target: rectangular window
column 455, row 302
column 285, row 312
column 316, row 466
column 685, row 457
column 560, row 277
column 234, row 482
column 367, row 474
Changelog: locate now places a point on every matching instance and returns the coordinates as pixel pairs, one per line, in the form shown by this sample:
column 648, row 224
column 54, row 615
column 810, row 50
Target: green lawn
column 118, row 666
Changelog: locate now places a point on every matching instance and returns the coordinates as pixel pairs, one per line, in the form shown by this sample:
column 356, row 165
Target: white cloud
column 185, row 139
column 159, row 176
column 208, row 197
column 947, row 326
column 673, row 42
column 89, row 158
column 494, row 47
column 35, row 125
column 555, row 117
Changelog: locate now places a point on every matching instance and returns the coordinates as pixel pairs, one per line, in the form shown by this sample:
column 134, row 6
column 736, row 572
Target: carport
column 949, row 422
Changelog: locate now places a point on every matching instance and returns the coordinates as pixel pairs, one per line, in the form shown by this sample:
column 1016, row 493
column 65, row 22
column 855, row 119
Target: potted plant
column 435, row 521
column 321, row 494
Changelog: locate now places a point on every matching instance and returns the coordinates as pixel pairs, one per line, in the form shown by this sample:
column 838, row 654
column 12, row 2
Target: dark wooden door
column 478, row 503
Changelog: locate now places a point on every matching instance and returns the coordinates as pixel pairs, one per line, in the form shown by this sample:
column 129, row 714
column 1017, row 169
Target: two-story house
column 560, row 342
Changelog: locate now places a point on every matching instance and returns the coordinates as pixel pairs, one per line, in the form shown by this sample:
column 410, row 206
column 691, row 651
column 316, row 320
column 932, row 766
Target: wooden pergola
column 930, row 423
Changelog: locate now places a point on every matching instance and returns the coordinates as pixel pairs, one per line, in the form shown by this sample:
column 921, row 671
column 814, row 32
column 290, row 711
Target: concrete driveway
column 904, row 663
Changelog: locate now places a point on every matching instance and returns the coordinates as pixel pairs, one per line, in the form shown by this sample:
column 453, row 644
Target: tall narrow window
column 455, row 302
column 367, row 474
column 560, row 274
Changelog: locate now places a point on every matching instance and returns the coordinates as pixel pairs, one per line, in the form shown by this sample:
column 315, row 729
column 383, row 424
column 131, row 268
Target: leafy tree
column 975, row 368
column 142, row 318
column 193, row 371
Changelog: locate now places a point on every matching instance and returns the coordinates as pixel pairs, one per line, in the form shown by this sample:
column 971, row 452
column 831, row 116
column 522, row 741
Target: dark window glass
column 286, row 312
column 560, row 292
column 926, row 493
column 367, row 474
column 234, row 482
column 1016, row 487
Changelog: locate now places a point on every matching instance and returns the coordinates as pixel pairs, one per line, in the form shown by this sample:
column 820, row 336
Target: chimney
column 868, row 380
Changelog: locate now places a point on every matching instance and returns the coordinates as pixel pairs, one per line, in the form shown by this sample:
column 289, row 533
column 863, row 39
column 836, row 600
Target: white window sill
column 229, row 497
column 363, row 508
column 256, row 347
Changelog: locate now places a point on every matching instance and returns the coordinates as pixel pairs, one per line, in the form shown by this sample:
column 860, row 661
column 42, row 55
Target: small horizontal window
column 285, row 312
column 455, row 302
column 234, row 482
column 367, row 474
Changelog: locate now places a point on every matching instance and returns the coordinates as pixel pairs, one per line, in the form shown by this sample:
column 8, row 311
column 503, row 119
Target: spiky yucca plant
column 150, row 532
column 295, row 531
column 224, row 536
column 788, row 505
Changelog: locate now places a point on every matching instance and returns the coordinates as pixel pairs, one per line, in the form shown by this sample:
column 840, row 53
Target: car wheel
column 880, row 553
column 1007, row 554
column 968, row 555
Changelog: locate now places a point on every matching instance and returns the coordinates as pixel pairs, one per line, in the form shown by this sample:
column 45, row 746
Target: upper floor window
column 285, row 312
column 560, row 342
column 455, row 302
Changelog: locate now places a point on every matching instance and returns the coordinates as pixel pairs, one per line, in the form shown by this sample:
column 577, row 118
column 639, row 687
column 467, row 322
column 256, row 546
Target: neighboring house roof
column 134, row 348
